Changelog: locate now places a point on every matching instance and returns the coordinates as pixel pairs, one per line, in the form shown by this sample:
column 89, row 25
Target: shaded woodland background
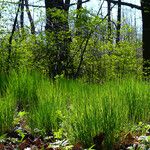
column 76, row 43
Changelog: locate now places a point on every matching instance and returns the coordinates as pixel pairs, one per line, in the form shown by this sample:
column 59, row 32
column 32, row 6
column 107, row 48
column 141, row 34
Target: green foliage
column 21, row 52
column 103, row 59
column 59, row 51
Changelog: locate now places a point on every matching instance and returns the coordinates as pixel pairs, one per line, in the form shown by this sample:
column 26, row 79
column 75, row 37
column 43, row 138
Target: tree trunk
column 22, row 15
column 118, row 22
column 30, row 17
column 109, row 18
column 79, row 4
column 59, row 59
column 146, row 34
column 78, row 18
column 11, row 38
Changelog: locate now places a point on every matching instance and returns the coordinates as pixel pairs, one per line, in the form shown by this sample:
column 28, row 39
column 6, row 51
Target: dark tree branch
column 40, row 6
column 77, row 3
column 11, row 36
column 126, row 4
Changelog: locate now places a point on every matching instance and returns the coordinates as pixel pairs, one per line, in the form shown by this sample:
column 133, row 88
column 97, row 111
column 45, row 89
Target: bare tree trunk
column 30, row 17
column 22, row 15
column 78, row 16
column 67, row 5
column 109, row 18
column 146, row 35
column 118, row 22
column 79, row 4
column 11, row 38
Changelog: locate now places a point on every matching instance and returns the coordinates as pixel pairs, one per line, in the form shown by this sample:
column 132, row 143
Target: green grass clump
column 85, row 110
column 3, row 84
column 46, row 116
column 107, row 109
column 7, row 111
column 23, row 86
column 81, row 110
column 137, row 96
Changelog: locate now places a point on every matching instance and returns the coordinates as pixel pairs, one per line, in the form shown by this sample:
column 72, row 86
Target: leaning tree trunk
column 146, row 35
column 11, row 39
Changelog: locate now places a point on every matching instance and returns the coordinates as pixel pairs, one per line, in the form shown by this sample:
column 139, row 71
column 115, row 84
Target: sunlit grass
column 87, row 109
column 3, row 84
column 23, row 86
column 7, row 111
column 81, row 110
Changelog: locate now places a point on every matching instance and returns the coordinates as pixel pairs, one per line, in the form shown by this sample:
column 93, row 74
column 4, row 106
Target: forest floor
column 21, row 138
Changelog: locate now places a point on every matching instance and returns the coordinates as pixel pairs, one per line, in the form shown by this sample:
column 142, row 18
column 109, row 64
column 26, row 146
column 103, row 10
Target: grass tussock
column 81, row 110
column 7, row 111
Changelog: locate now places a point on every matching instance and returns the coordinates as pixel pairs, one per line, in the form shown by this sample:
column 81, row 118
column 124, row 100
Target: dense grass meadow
column 79, row 111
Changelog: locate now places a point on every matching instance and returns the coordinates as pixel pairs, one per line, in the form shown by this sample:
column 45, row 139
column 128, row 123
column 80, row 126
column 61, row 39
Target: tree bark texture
column 22, row 15
column 109, row 18
column 146, row 34
column 58, row 58
column 118, row 22
column 11, row 38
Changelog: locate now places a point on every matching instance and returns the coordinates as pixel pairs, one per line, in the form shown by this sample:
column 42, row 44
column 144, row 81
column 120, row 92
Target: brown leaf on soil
column 148, row 134
column 49, row 148
column 1, row 147
column 129, row 140
column 9, row 147
column 38, row 142
column 52, row 148
column 77, row 146
column 33, row 147
column 24, row 144
column 98, row 140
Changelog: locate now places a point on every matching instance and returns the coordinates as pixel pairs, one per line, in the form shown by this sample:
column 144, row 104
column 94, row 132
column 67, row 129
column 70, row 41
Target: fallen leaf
column 1, row 147
column 98, row 140
column 38, row 142
column 77, row 146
